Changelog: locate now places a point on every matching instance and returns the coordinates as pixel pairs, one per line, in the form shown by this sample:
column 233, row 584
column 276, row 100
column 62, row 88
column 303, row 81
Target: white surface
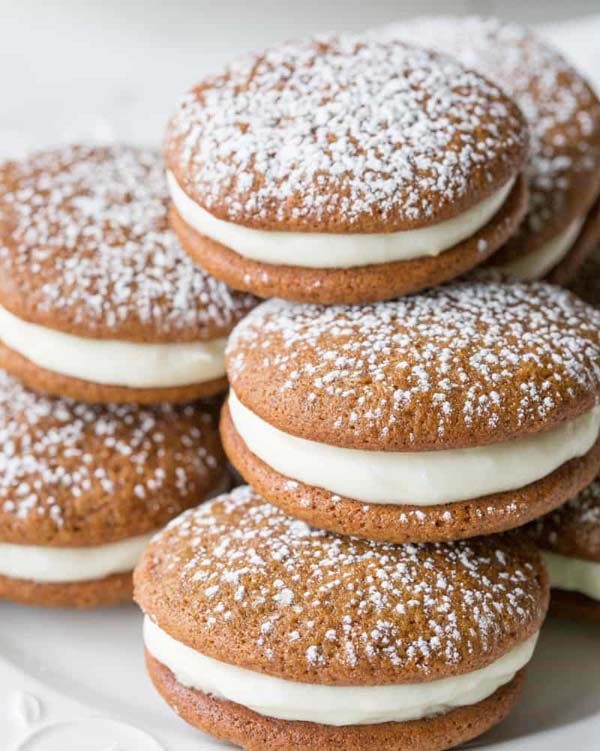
column 420, row 478
column 60, row 670
column 341, row 251
column 331, row 705
column 53, row 564
column 114, row 362
column 72, row 70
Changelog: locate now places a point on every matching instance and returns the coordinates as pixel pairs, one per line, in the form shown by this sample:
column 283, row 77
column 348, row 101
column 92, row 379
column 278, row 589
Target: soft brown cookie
column 563, row 114
column 570, row 541
column 236, row 724
column 83, row 595
column 358, row 284
column 450, row 521
column 345, row 169
column 83, row 487
column 465, row 410
column 51, row 383
column 574, row 606
column 98, row 301
column 586, row 246
column 586, row 283
column 333, row 637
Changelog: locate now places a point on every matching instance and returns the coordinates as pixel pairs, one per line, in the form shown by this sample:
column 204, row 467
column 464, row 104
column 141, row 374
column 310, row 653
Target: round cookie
column 570, row 541
column 345, row 170
column 563, row 114
column 271, row 634
column 464, row 410
column 586, row 282
column 586, row 245
column 98, row 302
column 84, row 487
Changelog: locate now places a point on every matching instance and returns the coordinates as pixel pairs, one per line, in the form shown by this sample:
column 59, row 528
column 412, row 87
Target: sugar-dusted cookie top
column 76, row 474
column 344, row 134
column 561, row 109
column 238, row 580
column 86, row 248
column 574, row 528
column 463, row 365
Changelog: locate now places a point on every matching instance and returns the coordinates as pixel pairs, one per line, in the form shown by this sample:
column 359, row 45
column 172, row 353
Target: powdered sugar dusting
column 562, row 114
column 341, row 130
column 56, row 452
column 86, row 236
column 587, row 504
column 577, row 520
column 473, row 358
column 351, row 602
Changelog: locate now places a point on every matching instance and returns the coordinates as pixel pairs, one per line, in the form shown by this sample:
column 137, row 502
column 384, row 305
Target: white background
column 73, row 70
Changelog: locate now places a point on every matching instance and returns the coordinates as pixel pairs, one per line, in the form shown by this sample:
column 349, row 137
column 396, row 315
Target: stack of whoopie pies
column 414, row 393
column 368, row 588
column 570, row 536
column 99, row 304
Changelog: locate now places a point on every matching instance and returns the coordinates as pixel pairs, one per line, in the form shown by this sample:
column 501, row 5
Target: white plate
column 76, row 682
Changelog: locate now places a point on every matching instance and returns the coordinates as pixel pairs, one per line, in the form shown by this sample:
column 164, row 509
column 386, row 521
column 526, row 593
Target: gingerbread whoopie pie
column 345, row 170
column 465, row 410
column 98, row 302
column 586, row 281
column 270, row 634
column 570, row 541
column 84, row 487
column 563, row 114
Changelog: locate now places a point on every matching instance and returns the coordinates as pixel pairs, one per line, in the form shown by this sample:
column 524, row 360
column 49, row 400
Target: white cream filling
column 328, row 250
column 424, row 478
column 113, row 362
column 537, row 264
column 573, row 574
column 50, row 564
column 55, row 564
column 331, row 705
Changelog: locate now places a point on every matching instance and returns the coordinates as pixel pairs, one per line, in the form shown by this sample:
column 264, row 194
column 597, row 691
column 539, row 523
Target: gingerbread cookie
column 97, row 300
column 84, row 487
column 345, row 170
column 570, row 541
column 586, row 246
column 586, row 283
column 563, row 114
column 271, row 634
column 465, row 410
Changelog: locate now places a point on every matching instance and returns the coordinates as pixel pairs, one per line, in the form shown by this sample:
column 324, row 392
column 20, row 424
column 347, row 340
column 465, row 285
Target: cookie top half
column 573, row 530
column 239, row 581
column 75, row 474
column 344, row 134
column 86, row 248
column 467, row 364
column 562, row 111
